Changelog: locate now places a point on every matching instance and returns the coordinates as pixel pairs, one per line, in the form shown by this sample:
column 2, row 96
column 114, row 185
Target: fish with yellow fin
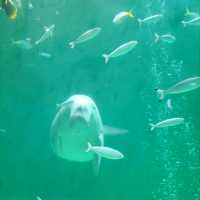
column 121, row 16
column 10, row 8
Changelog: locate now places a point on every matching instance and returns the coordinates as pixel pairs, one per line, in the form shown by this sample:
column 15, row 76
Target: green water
column 160, row 165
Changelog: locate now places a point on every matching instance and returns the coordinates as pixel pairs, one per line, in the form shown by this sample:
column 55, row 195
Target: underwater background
column 159, row 165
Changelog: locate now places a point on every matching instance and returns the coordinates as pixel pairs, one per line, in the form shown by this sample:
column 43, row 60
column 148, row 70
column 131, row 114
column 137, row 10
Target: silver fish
column 167, row 38
column 2, row 131
column 167, row 123
column 23, row 44
column 47, row 34
column 120, row 17
column 192, row 22
column 105, row 152
column 121, row 50
column 44, row 54
column 181, row 87
column 151, row 19
column 77, row 123
column 30, row 5
column 169, row 104
column 88, row 35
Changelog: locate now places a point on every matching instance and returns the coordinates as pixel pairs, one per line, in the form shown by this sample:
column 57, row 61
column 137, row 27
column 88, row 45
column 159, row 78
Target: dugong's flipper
column 96, row 165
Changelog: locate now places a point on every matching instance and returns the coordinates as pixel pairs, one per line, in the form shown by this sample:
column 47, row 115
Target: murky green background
column 159, row 165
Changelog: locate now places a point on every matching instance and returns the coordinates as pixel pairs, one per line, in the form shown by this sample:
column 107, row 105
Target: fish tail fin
column 58, row 105
column 72, row 44
column 2, row 131
column 88, row 147
column 37, row 42
column 152, row 126
column 130, row 13
column 187, row 11
column 106, row 57
column 184, row 23
column 157, row 37
column 139, row 21
column 160, row 94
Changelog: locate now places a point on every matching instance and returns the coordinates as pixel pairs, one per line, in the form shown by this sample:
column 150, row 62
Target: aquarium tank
column 99, row 100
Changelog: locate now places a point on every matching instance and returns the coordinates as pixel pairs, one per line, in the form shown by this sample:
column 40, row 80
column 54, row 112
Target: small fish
column 120, row 17
column 192, row 22
column 181, row 87
column 23, row 44
column 57, row 12
column 121, row 50
column 30, row 5
column 169, row 104
column 10, row 8
column 47, row 34
column 44, row 54
column 2, row 131
column 167, row 38
column 88, row 35
column 167, row 123
column 190, row 14
column 105, row 152
column 151, row 19
column 195, row 167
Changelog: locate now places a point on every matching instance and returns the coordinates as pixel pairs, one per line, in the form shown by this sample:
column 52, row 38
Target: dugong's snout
column 80, row 113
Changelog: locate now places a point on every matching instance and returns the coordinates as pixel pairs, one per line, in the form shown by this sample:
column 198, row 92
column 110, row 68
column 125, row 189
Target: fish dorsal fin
column 157, row 37
column 108, row 130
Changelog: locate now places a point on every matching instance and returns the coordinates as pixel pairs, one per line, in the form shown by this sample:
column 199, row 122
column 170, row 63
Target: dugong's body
column 76, row 124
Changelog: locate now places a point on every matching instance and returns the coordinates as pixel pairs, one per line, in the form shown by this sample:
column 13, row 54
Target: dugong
column 77, row 124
